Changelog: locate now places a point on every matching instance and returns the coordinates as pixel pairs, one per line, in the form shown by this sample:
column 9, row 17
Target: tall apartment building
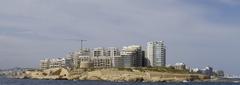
column 99, row 57
column 116, row 59
column 132, row 56
column 156, row 54
column 103, row 57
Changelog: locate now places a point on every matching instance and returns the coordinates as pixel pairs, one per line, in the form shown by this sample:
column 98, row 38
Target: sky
column 197, row 32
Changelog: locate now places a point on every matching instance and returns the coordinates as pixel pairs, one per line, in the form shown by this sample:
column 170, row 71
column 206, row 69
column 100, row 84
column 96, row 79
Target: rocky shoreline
column 112, row 74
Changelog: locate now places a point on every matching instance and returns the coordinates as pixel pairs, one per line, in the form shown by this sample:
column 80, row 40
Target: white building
column 55, row 63
column 100, row 57
column 196, row 70
column 44, row 64
column 106, row 57
column 129, row 56
column 180, row 66
column 156, row 54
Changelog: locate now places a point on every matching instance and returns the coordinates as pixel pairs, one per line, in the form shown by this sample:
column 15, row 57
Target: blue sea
column 7, row 81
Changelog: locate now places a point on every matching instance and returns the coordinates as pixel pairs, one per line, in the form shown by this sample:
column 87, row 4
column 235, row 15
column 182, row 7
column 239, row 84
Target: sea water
column 8, row 81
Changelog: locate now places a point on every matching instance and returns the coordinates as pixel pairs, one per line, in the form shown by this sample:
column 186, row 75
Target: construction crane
column 82, row 43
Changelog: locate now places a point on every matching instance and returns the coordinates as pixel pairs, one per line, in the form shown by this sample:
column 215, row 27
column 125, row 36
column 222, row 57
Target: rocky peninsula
column 116, row 74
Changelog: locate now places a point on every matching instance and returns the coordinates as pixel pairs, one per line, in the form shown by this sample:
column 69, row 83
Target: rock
column 117, row 75
column 83, row 77
column 93, row 78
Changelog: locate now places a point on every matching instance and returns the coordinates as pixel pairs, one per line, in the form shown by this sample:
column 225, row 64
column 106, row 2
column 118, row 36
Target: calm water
column 4, row 81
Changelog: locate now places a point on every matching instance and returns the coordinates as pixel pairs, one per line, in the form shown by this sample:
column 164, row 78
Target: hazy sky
column 196, row 32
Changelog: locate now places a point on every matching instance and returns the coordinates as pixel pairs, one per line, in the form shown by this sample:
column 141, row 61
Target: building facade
column 129, row 56
column 44, row 64
column 208, row 71
column 109, row 52
column 132, row 56
column 99, row 57
column 80, row 55
column 180, row 66
column 156, row 54
column 117, row 61
column 102, row 62
column 55, row 63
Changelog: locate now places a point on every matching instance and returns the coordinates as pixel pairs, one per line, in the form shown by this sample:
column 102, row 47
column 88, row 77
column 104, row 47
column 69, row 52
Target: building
column 195, row 70
column 99, row 52
column 180, row 66
column 106, row 57
column 156, row 54
column 112, row 51
column 132, row 56
column 83, row 60
column 80, row 55
column 219, row 73
column 98, row 57
column 208, row 71
column 55, row 63
column 86, row 64
column 109, row 52
column 68, row 62
column 102, row 62
column 129, row 56
column 117, row 61
column 44, row 64
column 144, row 59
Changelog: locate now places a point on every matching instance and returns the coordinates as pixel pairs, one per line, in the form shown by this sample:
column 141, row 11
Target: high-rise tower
column 156, row 54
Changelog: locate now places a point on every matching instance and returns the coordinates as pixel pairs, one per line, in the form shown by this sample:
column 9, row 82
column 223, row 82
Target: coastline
column 113, row 75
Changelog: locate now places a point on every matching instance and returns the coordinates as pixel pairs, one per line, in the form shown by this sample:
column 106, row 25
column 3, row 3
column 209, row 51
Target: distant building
column 99, row 57
column 180, row 66
column 219, row 73
column 106, row 57
column 86, row 64
column 144, row 59
column 102, row 62
column 156, row 54
column 110, row 52
column 69, row 62
column 55, row 63
column 196, row 70
column 208, row 71
column 83, row 59
column 80, row 55
column 99, row 52
column 132, row 56
column 117, row 61
column 44, row 64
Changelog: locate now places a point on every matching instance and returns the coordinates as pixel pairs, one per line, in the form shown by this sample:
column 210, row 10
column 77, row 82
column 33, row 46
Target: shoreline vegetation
column 144, row 74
